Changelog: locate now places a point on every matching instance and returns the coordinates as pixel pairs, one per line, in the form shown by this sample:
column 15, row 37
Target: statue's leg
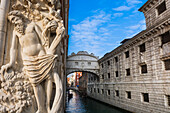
column 58, row 94
column 39, row 95
column 48, row 89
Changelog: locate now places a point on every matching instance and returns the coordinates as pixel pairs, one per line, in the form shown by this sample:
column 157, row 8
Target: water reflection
column 78, row 104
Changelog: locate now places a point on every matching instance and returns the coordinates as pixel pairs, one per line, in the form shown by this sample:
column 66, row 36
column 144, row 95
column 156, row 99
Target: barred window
column 144, row 69
column 108, row 62
column 108, row 75
column 165, row 37
column 116, row 59
column 161, row 8
column 128, row 72
column 117, row 93
column 168, row 100
column 142, row 47
column 117, row 73
column 128, row 94
column 167, row 64
column 108, row 92
column 145, row 97
column 127, row 54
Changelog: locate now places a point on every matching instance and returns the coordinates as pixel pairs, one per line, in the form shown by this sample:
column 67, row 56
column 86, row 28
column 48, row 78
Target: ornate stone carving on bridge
column 27, row 80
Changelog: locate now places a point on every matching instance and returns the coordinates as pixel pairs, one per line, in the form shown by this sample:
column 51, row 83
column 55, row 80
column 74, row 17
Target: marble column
column 4, row 8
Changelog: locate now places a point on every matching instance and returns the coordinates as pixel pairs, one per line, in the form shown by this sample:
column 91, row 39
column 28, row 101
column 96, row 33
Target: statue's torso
column 30, row 43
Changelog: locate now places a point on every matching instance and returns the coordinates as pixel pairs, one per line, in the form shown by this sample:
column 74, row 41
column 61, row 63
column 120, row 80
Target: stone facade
column 135, row 76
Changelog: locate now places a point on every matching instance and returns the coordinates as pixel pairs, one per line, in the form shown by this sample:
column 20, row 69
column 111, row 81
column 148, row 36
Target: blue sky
column 98, row 26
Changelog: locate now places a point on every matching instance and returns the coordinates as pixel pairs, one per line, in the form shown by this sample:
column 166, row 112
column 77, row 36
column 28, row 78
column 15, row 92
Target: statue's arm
column 60, row 32
column 39, row 32
column 13, row 49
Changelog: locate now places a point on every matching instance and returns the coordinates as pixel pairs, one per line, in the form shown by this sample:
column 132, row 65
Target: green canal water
column 78, row 104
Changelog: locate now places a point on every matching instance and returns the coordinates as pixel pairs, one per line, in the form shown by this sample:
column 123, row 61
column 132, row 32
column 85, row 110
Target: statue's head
column 16, row 18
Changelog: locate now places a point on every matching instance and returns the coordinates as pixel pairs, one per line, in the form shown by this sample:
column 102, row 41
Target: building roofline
column 146, row 4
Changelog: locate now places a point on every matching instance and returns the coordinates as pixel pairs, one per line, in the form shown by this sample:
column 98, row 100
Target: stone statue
column 37, row 53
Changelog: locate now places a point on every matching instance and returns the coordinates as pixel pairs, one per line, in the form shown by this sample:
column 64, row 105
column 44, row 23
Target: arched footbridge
column 82, row 61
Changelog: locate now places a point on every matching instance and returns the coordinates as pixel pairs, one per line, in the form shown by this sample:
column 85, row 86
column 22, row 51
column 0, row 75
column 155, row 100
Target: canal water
column 78, row 104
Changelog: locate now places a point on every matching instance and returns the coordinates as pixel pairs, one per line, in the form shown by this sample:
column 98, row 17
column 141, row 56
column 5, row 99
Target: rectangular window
column 89, row 63
column 128, row 94
column 128, row 72
column 91, row 90
column 142, row 47
column 144, row 69
column 76, row 63
column 102, row 91
column 161, row 8
column 94, row 90
column 108, row 92
column 167, row 100
column 117, row 93
column 108, row 63
column 102, row 65
column 145, row 97
column 167, row 64
column 116, row 59
column 108, row 75
column 117, row 74
column 165, row 37
column 103, row 76
column 127, row 54
column 98, row 90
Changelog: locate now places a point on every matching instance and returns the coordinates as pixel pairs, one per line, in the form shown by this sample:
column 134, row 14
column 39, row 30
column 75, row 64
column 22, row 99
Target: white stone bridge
column 82, row 62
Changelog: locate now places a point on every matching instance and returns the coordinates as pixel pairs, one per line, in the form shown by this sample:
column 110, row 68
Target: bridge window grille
column 145, row 97
column 128, row 94
column 165, row 37
column 108, row 92
column 161, row 8
column 144, row 69
column 76, row 63
column 117, row 93
column 108, row 75
column 142, row 47
column 167, row 64
column 128, row 72
column 127, row 54
column 167, row 100
column 117, row 74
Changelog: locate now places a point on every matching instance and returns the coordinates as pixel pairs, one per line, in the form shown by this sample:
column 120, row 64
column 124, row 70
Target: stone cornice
column 140, row 36
column 82, row 55
column 147, row 5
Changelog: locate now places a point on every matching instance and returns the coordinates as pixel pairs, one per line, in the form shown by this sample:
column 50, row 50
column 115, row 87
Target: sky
column 98, row 26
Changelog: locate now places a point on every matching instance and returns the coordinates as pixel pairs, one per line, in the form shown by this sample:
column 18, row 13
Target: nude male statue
column 37, row 61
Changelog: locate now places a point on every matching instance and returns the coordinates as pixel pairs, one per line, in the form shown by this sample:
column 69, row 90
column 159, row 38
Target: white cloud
column 92, row 34
column 118, row 14
column 131, row 2
column 134, row 27
column 122, row 8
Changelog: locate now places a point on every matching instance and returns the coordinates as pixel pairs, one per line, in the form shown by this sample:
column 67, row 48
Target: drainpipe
column 4, row 8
